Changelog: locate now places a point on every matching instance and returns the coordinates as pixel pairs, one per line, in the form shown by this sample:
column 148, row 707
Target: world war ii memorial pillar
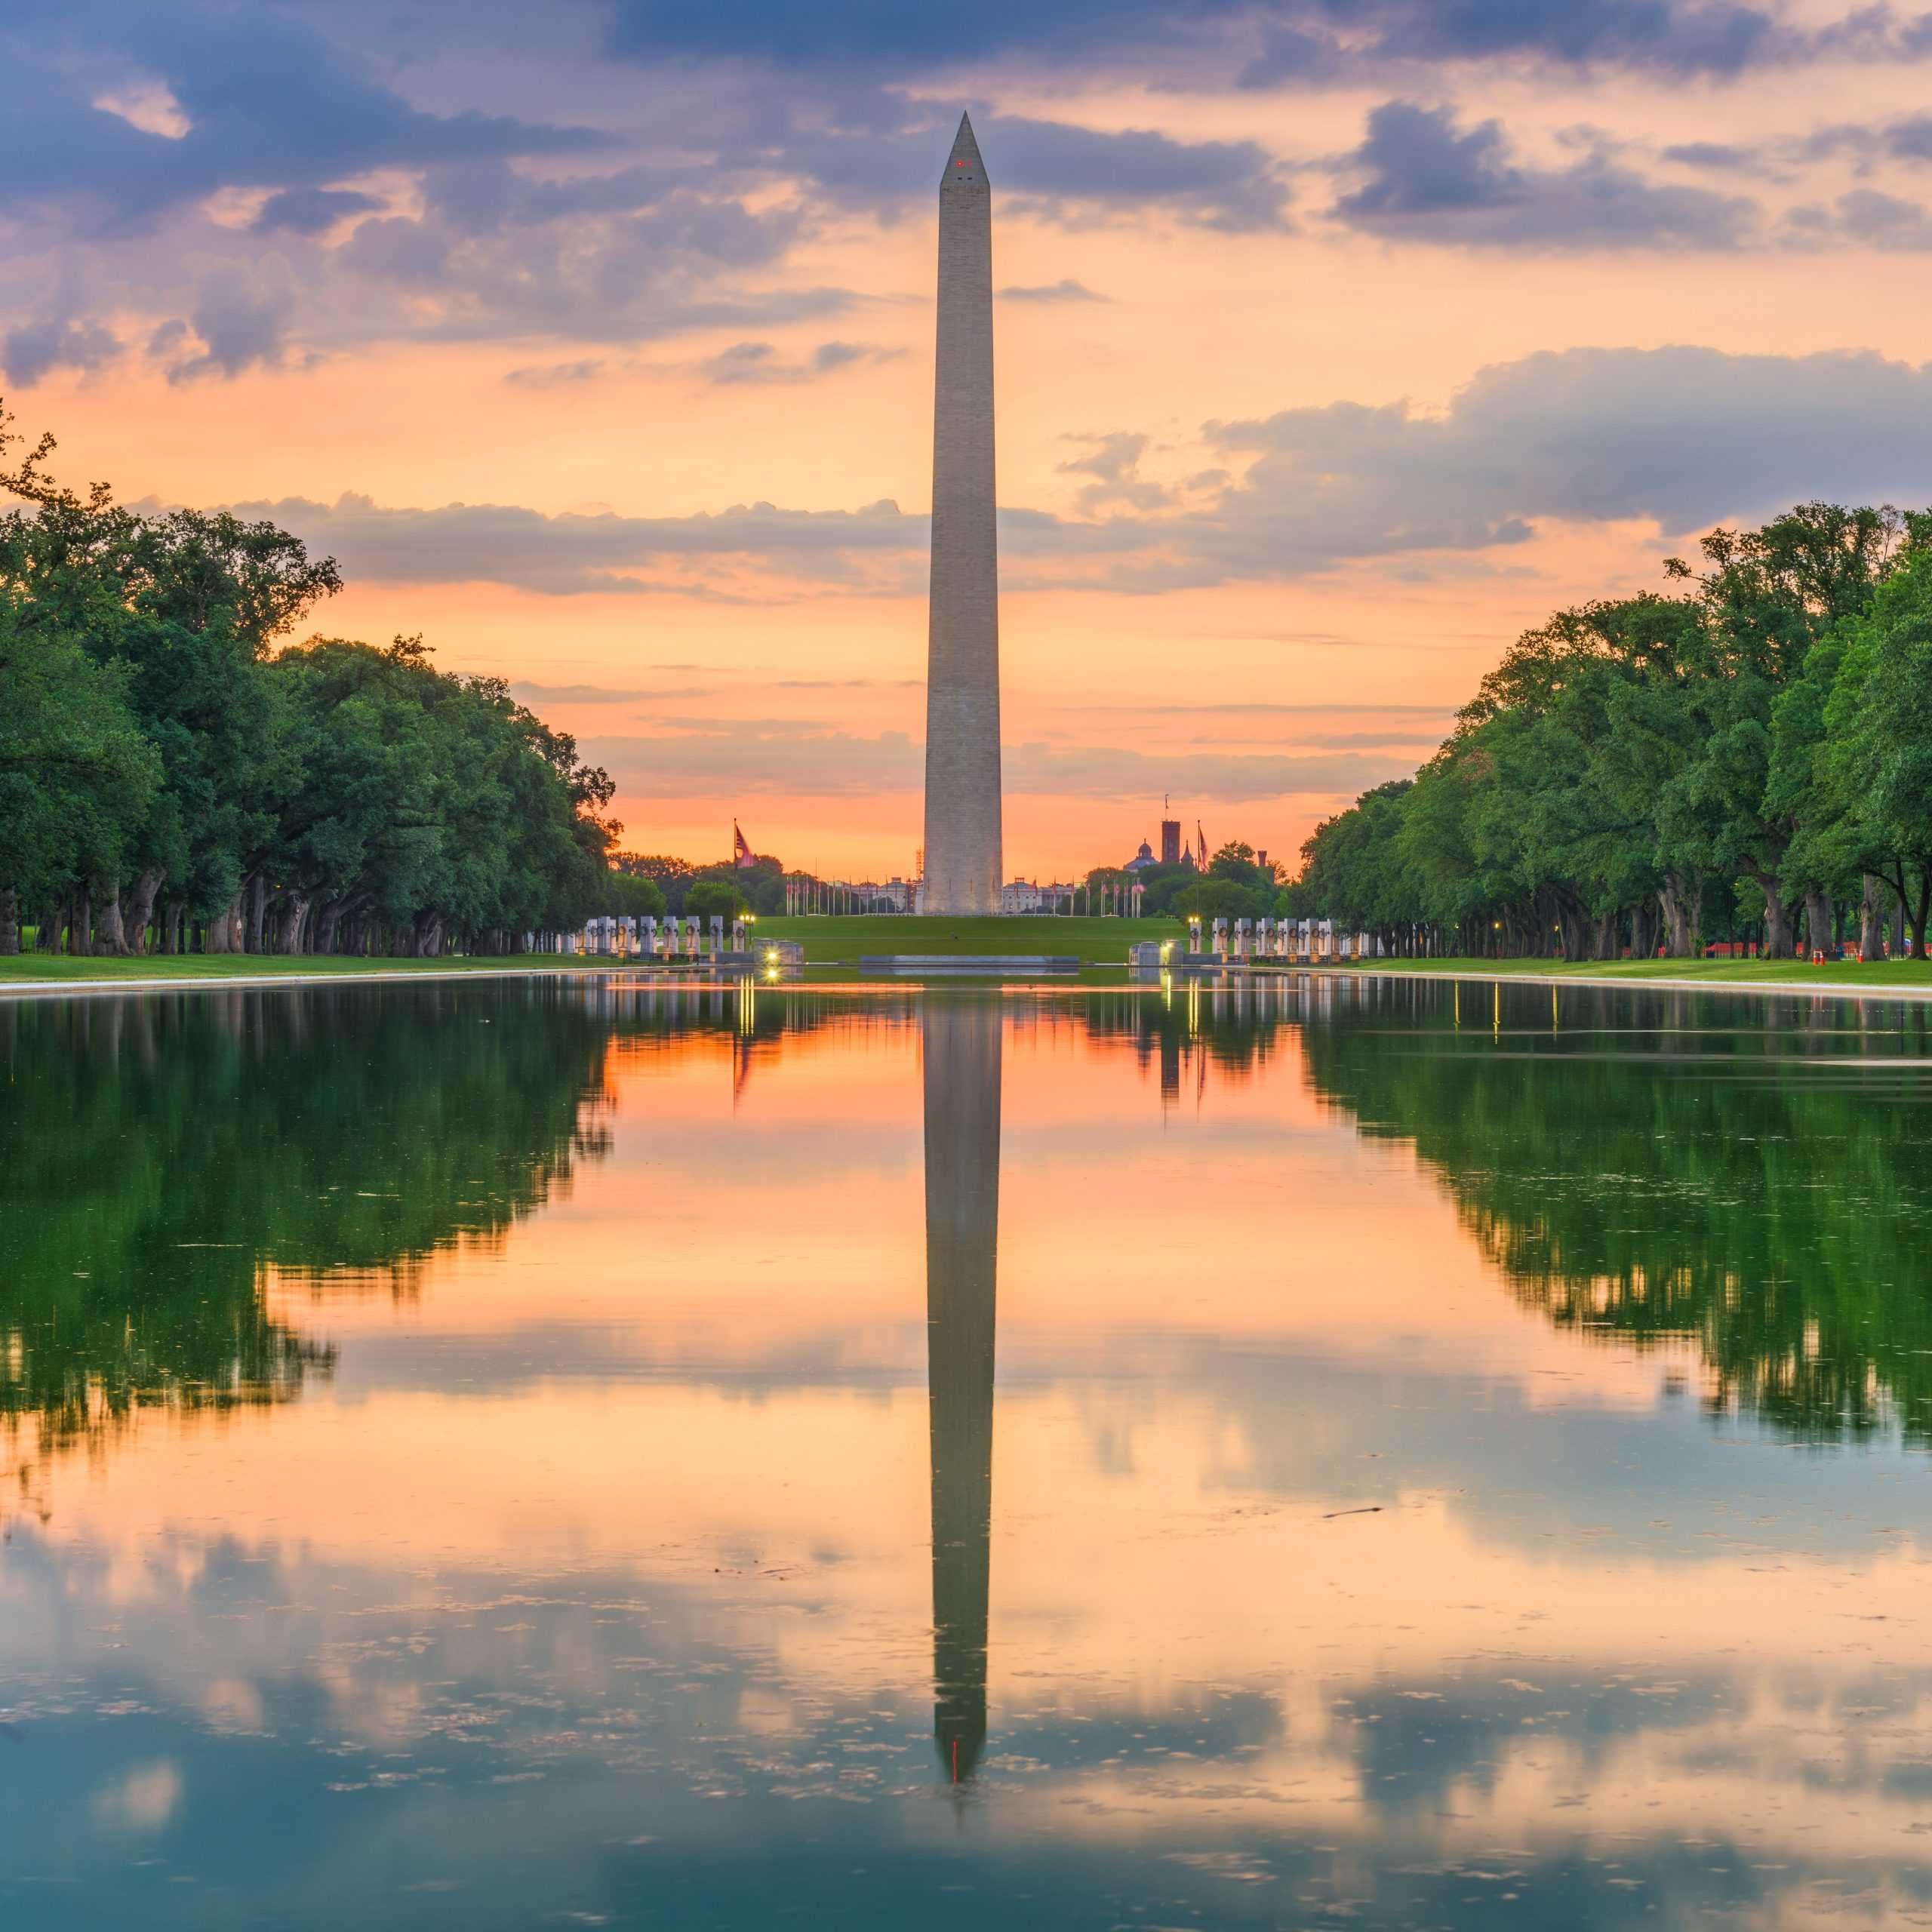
column 963, row 855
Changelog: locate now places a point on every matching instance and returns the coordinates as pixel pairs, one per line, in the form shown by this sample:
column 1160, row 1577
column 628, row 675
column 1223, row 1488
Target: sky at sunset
column 1338, row 341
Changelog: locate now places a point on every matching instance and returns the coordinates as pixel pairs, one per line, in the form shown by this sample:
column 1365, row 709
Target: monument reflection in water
column 961, row 1043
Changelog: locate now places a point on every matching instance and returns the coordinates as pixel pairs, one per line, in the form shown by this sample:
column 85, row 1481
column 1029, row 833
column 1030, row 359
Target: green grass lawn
column 1796, row 972
column 1106, row 941
column 842, row 942
column 827, row 942
column 55, row 966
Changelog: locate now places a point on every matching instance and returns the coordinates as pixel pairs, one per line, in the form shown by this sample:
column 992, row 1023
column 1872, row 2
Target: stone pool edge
column 197, row 982
column 1788, row 989
column 25, row 989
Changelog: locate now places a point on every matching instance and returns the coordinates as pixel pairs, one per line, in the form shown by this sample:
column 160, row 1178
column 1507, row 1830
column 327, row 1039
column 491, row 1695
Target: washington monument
column 963, row 858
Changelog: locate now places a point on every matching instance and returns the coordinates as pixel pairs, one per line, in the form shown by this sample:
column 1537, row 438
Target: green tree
column 1629, row 760
column 1221, row 899
column 629, row 896
column 184, row 606
column 1767, row 596
column 672, row 876
column 713, row 898
column 1876, row 763
column 77, row 778
column 330, row 795
column 1161, row 887
column 1235, row 863
column 433, row 810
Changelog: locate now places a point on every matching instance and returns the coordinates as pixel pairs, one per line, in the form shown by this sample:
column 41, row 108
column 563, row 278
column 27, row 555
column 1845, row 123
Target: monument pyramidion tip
column 964, row 159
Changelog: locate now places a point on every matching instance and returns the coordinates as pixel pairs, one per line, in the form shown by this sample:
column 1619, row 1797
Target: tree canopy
column 1714, row 763
column 174, row 774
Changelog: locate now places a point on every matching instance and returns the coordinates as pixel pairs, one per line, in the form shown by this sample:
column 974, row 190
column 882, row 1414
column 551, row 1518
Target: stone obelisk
column 963, row 858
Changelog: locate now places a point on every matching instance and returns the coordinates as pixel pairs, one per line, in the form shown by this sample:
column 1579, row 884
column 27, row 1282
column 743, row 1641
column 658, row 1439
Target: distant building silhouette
column 1141, row 861
column 1170, row 842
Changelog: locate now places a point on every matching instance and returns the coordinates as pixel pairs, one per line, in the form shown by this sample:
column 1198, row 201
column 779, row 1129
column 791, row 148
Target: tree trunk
column 140, row 908
column 224, row 933
column 1604, row 945
column 1777, row 919
column 290, row 915
column 1677, row 912
column 1818, row 923
column 80, row 939
column 255, row 889
column 1871, row 925
column 113, row 933
column 10, row 921
column 1643, row 930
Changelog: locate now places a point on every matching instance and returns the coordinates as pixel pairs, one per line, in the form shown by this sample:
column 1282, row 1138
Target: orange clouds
column 805, row 385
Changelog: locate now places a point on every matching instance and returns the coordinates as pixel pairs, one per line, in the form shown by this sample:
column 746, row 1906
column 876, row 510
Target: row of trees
column 1234, row 885
column 724, row 888
column 172, row 780
column 1747, row 756
column 761, row 885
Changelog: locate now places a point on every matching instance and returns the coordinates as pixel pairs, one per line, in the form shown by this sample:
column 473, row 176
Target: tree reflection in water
column 1750, row 1174
column 163, row 1154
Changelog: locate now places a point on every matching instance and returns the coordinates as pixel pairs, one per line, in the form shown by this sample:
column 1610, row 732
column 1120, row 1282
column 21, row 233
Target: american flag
column 740, row 850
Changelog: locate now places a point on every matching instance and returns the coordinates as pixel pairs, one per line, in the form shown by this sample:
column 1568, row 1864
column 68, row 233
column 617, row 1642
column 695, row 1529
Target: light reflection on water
column 502, row 1454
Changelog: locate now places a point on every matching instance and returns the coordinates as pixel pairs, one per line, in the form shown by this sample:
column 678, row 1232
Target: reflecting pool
column 1387, row 1453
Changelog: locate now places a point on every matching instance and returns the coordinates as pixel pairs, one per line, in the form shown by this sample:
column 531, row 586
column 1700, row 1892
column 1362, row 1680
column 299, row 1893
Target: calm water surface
column 510, row 1454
